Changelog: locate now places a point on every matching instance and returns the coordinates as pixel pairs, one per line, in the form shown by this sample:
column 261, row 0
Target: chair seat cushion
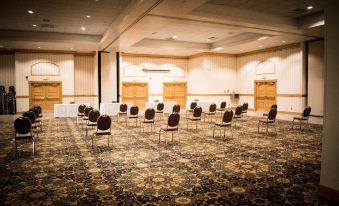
column 92, row 124
column 265, row 114
column 81, row 115
column 219, row 109
column 190, row 110
column 40, row 116
column 209, row 113
column 244, row 111
column 148, row 121
column 170, row 128
column 265, row 120
column 159, row 111
column 223, row 124
column 122, row 113
column 133, row 116
column 237, row 116
column 85, row 118
column 103, row 133
column 194, row 118
column 300, row 118
column 28, row 136
column 38, row 120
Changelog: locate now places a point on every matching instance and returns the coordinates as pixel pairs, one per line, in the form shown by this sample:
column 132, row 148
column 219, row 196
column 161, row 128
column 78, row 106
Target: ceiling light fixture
column 83, row 28
column 174, row 37
column 71, row 48
column 218, row 49
column 34, row 25
column 38, row 47
column 309, row 7
column 241, row 50
column 283, row 41
column 2, row 46
column 262, row 38
column 88, row 16
column 30, row 12
column 259, row 46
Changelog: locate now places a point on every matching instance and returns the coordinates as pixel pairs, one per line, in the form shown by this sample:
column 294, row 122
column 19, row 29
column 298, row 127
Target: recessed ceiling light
column 38, row 47
column 259, row 46
column 30, row 12
column 241, row 50
column 218, row 49
column 71, row 48
column 128, row 51
column 2, row 46
column 174, row 37
column 34, row 25
column 262, row 38
column 88, row 16
column 83, row 28
column 283, row 41
column 309, row 7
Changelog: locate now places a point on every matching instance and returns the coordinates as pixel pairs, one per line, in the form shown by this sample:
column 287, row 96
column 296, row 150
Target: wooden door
column 175, row 91
column 45, row 94
column 265, row 94
column 136, row 93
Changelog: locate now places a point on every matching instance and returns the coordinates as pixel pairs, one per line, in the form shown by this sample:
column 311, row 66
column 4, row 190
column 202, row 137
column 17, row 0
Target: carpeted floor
column 195, row 169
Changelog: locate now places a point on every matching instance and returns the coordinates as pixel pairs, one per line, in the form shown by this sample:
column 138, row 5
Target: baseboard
column 329, row 194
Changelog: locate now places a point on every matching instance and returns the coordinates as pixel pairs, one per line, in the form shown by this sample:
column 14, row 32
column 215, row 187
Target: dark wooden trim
column 123, row 54
column 99, row 76
column 329, row 194
column 118, row 75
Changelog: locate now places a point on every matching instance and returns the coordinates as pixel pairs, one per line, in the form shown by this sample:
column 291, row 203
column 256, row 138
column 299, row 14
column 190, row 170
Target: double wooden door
column 136, row 93
column 265, row 94
column 45, row 94
column 175, row 91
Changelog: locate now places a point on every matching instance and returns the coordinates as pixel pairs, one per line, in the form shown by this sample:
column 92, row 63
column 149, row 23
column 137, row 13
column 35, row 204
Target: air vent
column 297, row 11
column 212, row 38
column 47, row 26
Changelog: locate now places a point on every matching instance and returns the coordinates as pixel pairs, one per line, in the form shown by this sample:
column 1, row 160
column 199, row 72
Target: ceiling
column 170, row 27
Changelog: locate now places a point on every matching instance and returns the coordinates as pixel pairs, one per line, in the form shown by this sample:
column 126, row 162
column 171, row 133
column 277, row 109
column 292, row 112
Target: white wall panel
column 108, row 77
column 7, row 70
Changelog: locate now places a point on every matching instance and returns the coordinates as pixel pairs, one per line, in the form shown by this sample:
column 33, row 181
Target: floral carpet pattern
column 243, row 168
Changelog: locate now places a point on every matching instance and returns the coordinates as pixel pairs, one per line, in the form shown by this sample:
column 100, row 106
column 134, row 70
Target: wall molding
column 80, row 95
column 75, row 53
column 210, row 95
column 271, row 49
column 278, row 95
column 211, row 54
column 123, row 54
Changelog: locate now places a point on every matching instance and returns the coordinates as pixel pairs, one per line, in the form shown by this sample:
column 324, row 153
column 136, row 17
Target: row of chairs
column 7, row 100
column 28, row 126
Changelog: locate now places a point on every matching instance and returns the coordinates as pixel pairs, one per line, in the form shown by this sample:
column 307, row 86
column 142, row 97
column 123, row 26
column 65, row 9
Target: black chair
column 31, row 116
column 226, row 122
column 238, row 114
column 222, row 107
column 269, row 120
column 122, row 111
column 133, row 114
column 211, row 111
column 86, row 113
column 40, row 111
column 23, row 131
column 103, row 128
column 176, row 108
column 273, row 106
column 93, row 116
column 196, row 117
column 303, row 118
column 37, row 119
column 81, row 111
column 192, row 106
column 160, row 109
column 148, row 118
column 172, row 124
column 244, row 109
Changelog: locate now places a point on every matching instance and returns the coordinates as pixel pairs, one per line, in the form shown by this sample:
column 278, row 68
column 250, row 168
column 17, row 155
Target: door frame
column 255, row 90
column 163, row 89
column 122, row 89
column 44, row 82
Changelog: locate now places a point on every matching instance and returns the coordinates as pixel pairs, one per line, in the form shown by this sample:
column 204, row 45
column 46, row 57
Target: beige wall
column 289, row 73
column 7, row 65
column 108, row 77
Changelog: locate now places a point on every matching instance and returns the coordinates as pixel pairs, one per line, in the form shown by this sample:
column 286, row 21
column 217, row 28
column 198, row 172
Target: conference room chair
column 93, row 116
column 196, row 116
column 273, row 106
column 160, row 109
column 122, row 111
column 237, row 114
column 37, row 119
column 31, row 116
column 244, row 109
column 86, row 113
column 133, row 114
column 269, row 120
column 176, row 108
column 303, row 118
column 81, row 110
column 148, row 119
column 222, row 108
column 211, row 112
column 172, row 124
column 23, row 131
column 226, row 121
column 192, row 106
column 40, row 113
column 103, row 129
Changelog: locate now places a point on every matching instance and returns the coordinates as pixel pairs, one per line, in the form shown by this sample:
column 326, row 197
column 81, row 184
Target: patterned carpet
column 195, row 169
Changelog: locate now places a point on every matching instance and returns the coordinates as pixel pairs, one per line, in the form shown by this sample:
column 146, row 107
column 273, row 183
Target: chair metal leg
column 172, row 136
column 33, row 147
column 266, row 128
column 224, row 132
column 258, row 126
column 159, row 135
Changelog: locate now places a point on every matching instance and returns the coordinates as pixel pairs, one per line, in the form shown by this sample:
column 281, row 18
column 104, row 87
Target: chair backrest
column 193, row 105
column 87, row 110
column 307, row 111
column 176, row 108
column 222, row 105
column 81, row 108
column 213, row 108
column 173, row 120
column 228, row 116
column 104, row 122
column 238, row 110
column 245, row 106
column 149, row 114
column 274, row 106
column 22, row 125
column 160, row 106
column 93, row 115
column 123, row 107
column 30, row 115
column 134, row 110
column 36, row 112
column 272, row 114
column 39, row 108
column 197, row 112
